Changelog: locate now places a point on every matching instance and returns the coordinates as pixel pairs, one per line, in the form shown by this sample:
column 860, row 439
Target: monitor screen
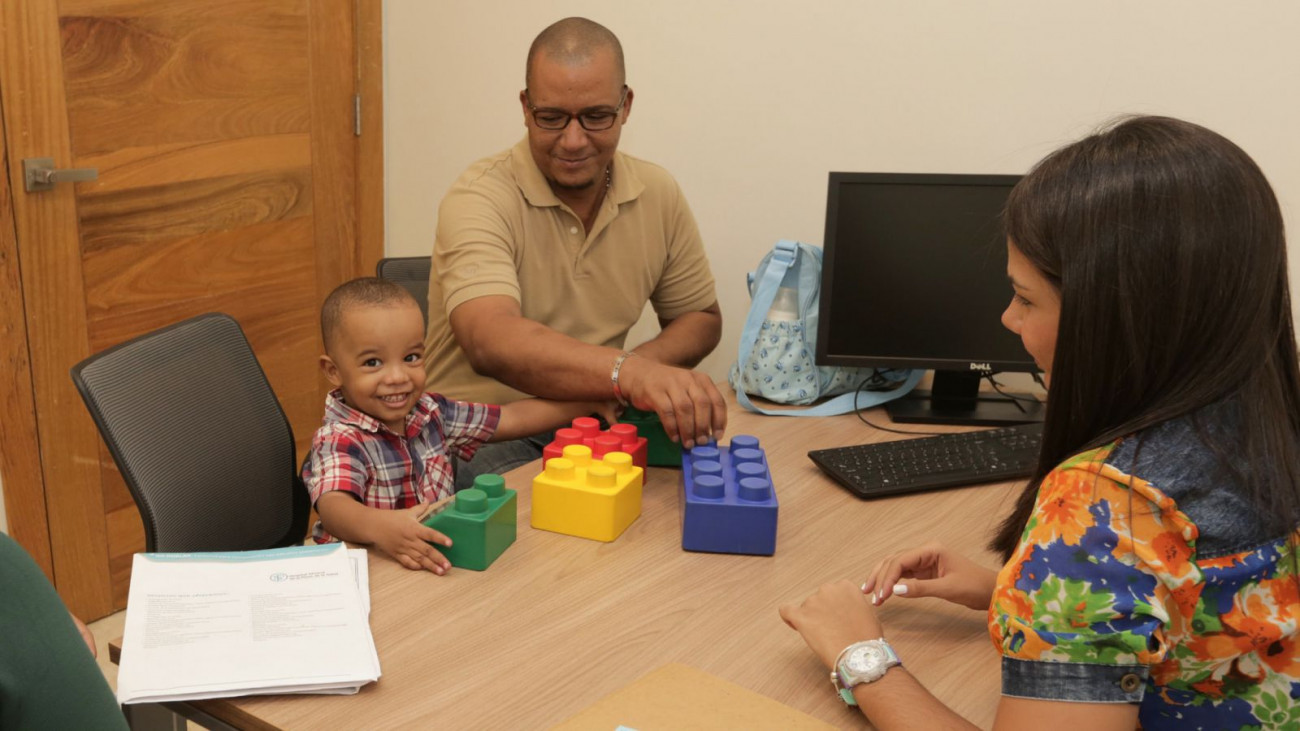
column 914, row 275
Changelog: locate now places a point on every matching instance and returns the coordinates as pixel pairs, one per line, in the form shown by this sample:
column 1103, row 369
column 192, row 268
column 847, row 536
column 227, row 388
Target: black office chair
column 412, row 272
column 199, row 436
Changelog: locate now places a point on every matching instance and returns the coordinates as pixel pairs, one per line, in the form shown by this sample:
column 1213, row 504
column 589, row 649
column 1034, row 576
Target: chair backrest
column 412, row 272
column 199, row 436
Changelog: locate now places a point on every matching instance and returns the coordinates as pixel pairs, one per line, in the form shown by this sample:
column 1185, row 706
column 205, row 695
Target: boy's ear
column 331, row 371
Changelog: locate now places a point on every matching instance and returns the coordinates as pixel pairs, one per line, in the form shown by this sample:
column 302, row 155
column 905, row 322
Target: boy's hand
column 607, row 410
column 400, row 535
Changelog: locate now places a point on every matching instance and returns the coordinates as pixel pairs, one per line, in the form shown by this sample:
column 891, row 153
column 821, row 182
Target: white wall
column 750, row 103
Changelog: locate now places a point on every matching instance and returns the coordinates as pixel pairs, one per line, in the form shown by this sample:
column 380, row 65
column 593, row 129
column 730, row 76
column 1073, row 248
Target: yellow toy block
column 578, row 496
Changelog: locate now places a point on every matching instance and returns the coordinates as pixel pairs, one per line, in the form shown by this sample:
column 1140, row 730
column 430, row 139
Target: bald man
column 547, row 253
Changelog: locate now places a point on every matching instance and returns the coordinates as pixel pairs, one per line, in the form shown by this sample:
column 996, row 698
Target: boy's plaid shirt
column 357, row 453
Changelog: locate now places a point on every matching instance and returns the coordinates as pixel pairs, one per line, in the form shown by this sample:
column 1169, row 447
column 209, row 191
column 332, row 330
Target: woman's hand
column 932, row 570
column 833, row 618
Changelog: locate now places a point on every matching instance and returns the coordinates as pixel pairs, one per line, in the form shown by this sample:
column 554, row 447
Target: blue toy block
column 728, row 502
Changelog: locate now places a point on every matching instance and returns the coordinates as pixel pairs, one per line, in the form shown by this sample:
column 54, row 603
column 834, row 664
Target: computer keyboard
column 933, row 462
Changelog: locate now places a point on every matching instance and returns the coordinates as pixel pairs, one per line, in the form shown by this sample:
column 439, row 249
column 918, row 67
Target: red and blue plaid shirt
column 358, row 454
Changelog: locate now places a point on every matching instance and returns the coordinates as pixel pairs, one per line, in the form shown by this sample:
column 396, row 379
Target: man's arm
column 686, row 340
column 503, row 344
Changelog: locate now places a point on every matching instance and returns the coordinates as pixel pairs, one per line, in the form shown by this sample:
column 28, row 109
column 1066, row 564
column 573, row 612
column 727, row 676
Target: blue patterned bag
column 775, row 356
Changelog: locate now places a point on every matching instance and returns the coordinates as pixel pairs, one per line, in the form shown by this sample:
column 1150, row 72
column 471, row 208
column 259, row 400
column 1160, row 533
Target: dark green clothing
column 48, row 678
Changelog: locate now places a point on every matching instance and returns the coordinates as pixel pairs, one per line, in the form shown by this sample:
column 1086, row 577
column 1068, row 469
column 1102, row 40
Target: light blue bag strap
column 841, row 404
column 810, row 287
column 762, row 294
column 784, row 256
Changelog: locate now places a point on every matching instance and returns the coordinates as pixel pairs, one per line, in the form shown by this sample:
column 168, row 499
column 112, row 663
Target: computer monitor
column 914, row 276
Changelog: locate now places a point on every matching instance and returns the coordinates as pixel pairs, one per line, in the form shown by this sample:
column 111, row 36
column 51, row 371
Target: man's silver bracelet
column 613, row 376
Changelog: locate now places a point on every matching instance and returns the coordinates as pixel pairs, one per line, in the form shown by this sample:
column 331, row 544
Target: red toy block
column 587, row 431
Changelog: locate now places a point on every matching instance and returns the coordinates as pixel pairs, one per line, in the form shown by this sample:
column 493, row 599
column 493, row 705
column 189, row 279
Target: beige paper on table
column 681, row 697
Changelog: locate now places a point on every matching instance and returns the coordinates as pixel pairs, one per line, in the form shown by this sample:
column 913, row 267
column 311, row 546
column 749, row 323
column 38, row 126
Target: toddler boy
column 385, row 449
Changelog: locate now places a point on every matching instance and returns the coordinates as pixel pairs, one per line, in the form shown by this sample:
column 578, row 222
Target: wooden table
column 558, row 622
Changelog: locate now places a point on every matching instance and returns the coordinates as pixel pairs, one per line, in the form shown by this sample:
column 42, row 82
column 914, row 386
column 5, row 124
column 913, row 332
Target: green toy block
column 660, row 450
column 481, row 523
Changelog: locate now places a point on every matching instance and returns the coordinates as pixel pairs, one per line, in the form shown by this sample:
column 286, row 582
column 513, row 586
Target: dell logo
column 981, row 367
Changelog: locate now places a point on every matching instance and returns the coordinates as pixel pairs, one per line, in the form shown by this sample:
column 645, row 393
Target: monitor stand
column 955, row 398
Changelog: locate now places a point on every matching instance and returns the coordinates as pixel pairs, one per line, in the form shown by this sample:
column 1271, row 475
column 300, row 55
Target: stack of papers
column 214, row 625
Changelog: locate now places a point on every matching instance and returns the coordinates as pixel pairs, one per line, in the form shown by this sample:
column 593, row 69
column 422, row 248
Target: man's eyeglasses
column 596, row 119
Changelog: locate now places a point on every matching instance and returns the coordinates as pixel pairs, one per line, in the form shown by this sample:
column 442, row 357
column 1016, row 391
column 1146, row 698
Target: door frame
column 20, row 462
column 53, row 506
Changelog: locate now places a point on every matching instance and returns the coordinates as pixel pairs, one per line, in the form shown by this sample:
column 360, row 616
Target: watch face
column 865, row 659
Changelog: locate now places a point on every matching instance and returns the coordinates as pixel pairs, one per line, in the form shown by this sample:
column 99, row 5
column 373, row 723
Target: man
column 546, row 254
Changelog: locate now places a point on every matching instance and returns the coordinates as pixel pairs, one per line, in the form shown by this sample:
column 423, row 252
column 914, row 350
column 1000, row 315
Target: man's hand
column 398, row 534
column 690, row 407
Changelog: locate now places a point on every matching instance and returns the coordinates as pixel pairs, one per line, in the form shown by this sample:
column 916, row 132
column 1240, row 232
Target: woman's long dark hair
column 1167, row 246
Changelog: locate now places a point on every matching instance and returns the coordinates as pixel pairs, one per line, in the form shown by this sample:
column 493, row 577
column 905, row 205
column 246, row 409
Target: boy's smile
column 377, row 360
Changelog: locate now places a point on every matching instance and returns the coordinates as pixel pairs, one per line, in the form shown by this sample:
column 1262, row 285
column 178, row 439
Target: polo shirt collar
column 626, row 186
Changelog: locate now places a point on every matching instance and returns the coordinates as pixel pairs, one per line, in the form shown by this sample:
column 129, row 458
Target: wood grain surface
column 36, row 125
column 558, row 622
column 228, row 181
column 20, row 460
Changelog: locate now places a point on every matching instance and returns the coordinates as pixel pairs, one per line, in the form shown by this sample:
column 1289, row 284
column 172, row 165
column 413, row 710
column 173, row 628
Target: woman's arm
column 1033, row 714
column 839, row 614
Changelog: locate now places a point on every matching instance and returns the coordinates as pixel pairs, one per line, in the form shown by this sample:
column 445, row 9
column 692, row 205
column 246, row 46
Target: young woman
column 1151, row 565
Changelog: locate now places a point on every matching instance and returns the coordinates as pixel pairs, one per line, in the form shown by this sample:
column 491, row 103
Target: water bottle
column 785, row 306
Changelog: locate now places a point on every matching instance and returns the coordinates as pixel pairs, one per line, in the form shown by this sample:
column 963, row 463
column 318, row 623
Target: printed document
column 212, row 625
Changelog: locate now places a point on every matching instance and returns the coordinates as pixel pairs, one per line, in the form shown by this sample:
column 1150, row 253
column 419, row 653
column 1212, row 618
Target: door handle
column 39, row 174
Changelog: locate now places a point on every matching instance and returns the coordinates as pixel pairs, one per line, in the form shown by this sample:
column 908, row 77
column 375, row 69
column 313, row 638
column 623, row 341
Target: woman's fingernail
column 900, row 588
column 875, row 599
column 864, row 587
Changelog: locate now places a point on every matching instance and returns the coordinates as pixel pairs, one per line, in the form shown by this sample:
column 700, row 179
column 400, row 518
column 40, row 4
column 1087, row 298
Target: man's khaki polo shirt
column 501, row 231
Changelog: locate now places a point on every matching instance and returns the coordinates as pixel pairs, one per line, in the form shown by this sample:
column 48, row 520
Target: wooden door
column 231, row 178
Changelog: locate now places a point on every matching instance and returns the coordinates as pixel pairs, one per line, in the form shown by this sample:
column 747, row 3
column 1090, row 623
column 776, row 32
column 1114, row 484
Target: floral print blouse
column 1144, row 576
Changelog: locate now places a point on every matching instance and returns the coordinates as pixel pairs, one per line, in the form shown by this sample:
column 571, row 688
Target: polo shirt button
column 1130, row 683
column 573, row 229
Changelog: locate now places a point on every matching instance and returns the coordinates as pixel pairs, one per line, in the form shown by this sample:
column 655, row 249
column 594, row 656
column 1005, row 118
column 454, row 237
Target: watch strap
column 889, row 653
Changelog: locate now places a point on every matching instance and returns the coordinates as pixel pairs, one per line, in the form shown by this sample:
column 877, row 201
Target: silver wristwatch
column 862, row 662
